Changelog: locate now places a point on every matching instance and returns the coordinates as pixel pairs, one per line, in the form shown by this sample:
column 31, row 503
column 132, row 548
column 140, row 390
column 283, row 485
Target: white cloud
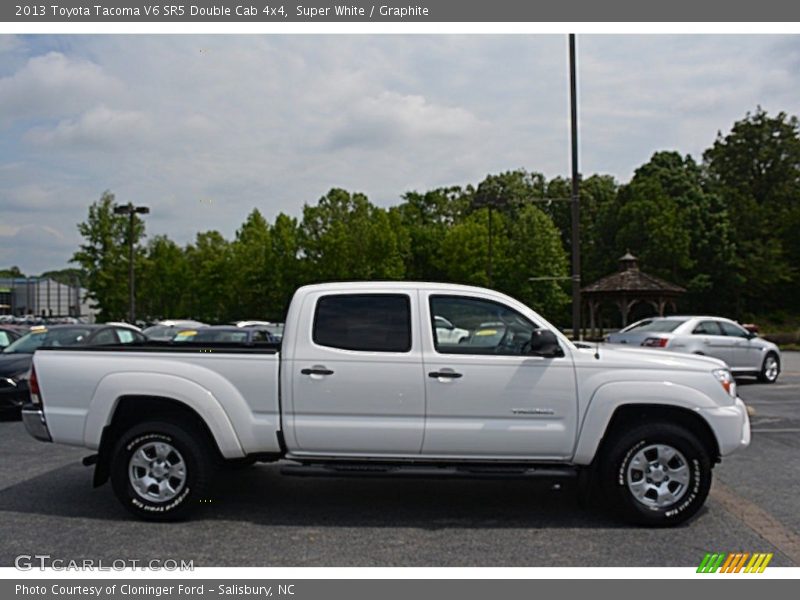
column 389, row 117
column 275, row 121
column 53, row 84
column 99, row 128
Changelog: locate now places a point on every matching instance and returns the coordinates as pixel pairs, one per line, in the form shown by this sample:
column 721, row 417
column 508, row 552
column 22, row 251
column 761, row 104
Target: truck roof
column 398, row 285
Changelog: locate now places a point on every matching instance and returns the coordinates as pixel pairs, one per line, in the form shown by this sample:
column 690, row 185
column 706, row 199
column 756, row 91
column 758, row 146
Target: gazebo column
column 592, row 314
column 625, row 306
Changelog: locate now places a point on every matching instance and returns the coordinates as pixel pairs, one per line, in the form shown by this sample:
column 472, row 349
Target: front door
column 744, row 355
column 487, row 396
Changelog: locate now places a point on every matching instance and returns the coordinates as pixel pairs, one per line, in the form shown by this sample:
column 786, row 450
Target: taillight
column 33, row 388
column 655, row 342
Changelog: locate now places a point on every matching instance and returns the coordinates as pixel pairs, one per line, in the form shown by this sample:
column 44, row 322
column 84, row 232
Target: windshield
column 658, row 325
column 40, row 338
column 213, row 335
column 160, row 332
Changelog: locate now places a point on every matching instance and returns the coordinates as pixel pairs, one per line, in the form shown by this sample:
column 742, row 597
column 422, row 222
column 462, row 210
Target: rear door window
column 707, row 328
column 364, row 322
column 104, row 336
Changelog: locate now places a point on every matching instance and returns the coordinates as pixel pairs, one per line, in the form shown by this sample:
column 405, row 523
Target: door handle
column 317, row 371
column 446, row 374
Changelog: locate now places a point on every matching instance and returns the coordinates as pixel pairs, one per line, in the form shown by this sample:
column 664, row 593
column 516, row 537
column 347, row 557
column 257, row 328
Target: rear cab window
column 707, row 328
column 657, row 325
column 363, row 322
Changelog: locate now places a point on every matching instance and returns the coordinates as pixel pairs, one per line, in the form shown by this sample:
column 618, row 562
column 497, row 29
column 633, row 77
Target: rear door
column 712, row 341
column 356, row 376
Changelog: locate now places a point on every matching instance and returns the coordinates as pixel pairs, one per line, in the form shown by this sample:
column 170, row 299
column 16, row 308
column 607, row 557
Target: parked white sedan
column 743, row 350
column 447, row 333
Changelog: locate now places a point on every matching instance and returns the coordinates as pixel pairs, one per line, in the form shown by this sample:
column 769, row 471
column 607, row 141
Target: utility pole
column 131, row 210
column 576, row 223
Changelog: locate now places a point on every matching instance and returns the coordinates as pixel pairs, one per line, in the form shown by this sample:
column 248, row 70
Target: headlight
column 726, row 381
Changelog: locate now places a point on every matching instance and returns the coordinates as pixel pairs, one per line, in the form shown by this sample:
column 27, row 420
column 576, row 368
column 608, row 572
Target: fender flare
column 609, row 397
column 116, row 385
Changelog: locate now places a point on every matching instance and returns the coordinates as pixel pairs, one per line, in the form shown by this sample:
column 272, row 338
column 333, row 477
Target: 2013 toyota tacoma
column 362, row 384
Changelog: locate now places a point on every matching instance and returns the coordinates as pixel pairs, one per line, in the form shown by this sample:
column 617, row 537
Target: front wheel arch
column 628, row 416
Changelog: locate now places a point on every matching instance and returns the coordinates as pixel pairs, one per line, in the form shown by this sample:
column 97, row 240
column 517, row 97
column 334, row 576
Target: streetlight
column 131, row 210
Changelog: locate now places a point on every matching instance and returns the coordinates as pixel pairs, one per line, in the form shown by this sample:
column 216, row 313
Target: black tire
column 191, row 445
column 766, row 375
column 615, row 475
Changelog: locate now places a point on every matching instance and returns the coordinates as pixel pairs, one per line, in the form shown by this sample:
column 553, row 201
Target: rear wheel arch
column 132, row 410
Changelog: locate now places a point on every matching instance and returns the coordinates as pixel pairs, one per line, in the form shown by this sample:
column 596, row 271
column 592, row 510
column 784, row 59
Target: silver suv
column 744, row 351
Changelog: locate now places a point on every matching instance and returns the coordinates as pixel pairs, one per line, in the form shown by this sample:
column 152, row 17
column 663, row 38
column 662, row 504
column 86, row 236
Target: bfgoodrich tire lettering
column 165, row 444
column 663, row 458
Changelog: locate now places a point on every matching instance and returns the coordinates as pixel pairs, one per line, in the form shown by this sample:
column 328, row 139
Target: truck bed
column 238, row 385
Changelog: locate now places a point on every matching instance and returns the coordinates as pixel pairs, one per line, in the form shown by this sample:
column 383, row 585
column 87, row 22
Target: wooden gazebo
column 626, row 288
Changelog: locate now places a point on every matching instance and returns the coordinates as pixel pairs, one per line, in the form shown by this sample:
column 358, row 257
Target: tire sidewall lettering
column 148, row 506
column 685, row 503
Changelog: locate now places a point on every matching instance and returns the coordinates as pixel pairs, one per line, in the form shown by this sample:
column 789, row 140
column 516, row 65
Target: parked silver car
column 744, row 351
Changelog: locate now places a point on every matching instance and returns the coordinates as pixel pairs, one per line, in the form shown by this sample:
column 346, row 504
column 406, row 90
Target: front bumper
column 731, row 426
column 35, row 423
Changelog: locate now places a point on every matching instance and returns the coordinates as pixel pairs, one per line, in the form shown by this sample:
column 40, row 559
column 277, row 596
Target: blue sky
column 205, row 128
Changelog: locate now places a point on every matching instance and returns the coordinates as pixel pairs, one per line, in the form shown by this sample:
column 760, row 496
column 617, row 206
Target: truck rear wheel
column 161, row 470
column 657, row 474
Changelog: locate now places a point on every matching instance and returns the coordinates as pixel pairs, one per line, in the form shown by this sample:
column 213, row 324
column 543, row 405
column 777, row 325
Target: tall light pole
column 491, row 201
column 576, row 223
column 131, row 210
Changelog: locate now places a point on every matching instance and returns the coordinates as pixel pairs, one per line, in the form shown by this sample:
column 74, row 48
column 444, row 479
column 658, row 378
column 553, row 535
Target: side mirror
column 545, row 343
column 751, row 335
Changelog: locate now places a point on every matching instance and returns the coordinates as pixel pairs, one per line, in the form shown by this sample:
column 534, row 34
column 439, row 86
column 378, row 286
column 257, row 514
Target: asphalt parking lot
column 259, row 518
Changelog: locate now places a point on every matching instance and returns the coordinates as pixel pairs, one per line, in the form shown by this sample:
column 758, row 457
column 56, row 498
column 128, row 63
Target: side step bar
column 430, row 471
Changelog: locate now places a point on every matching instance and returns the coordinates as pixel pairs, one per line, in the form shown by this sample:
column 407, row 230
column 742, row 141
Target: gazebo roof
column 630, row 280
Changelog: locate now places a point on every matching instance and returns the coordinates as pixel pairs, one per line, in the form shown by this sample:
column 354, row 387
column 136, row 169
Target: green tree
column 163, row 283
column 287, row 274
column 210, row 291
column 11, row 272
column 534, row 250
column 252, row 267
column 426, row 218
column 463, row 253
column 755, row 169
column 346, row 237
column 103, row 256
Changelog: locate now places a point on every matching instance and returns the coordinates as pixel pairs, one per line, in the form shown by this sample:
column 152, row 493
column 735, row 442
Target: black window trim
column 404, row 295
column 436, row 349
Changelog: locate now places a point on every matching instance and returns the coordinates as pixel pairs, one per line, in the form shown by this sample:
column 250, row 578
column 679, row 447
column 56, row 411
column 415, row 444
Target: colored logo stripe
column 734, row 562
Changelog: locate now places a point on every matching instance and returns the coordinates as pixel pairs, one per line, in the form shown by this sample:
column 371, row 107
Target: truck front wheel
column 161, row 470
column 657, row 474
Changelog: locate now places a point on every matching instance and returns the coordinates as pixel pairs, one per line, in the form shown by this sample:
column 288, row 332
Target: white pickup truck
column 361, row 385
